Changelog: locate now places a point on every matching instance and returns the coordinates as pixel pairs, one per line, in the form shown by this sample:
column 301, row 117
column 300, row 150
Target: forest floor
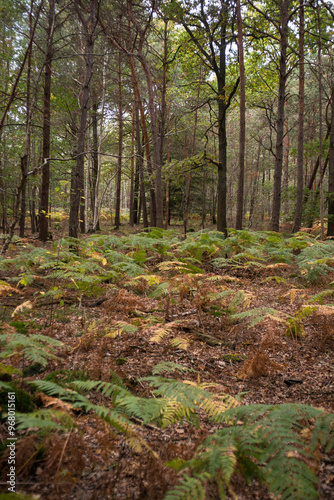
column 169, row 315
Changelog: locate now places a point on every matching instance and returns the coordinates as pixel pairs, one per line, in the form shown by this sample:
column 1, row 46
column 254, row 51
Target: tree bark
column 187, row 203
column 120, row 146
column 300, row 155
column 44, row 201
column 276, row 207
column 286, row 165
column 139, row 103
column 25, row 163
column 133, row 185
column 320, row 127
column 330, row 230
column 77, row 191
column 242, row 136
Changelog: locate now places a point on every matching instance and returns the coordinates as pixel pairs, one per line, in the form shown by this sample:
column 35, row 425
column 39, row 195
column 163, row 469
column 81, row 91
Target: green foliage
column 36, row 348
column 20, row 326
column 319, row 297
column 45, row 420
column 64, row 377
column 258, row 315
column 168, row 367
column 112, row 417
column 274, row 444
column 316, row 260
column 189, row 488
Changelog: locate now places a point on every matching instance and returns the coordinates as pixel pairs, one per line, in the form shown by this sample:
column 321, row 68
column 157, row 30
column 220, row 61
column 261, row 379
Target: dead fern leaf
column 19, row 309
column 55, row 403
column 259, row 365
column 5, row 289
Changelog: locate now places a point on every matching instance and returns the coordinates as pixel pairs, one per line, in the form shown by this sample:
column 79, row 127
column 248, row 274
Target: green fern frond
column 180, row 343
column 45, row 420
column 270, row 446
column 319, row 297
column 168, row 367
column 112, row 417
column 260, row 314
column 36, row 348
column 160, row 290
column 190, row 488
column 278, row 279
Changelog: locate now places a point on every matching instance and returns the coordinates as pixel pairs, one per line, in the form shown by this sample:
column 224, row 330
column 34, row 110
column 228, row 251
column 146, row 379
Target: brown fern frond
column 259, row 365
column 64, row 455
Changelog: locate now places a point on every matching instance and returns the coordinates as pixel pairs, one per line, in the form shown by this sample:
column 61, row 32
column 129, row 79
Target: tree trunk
column 25, row 162
column 157, row 215
column 187, row 203
column 286, row 166
column 153, row 209
column 222, row 140
column 254, row 187
column 140, row 167
column 120, row 146
column 242, row 137
column 95, row 157
column 276, row 208
column 132, row 170
column 330, row 230
column 44, row 201
column 320, row 128
column 300, row 156
column 77, row 192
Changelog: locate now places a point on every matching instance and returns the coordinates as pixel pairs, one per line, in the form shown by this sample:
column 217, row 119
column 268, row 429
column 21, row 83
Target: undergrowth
column 147, row 276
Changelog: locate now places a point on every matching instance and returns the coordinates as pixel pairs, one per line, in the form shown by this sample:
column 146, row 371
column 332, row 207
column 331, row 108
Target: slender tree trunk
column 222, row 140
column 300, row 155
column 320, row 127
column 95, row 156
column 153, row 209
column 187, row 202
column 286, row 165
column 97, row 152
column 242, row 137
column 132, row 170
column 77, row 192
column 330, row 230
column 276, row 208
column 140, row 166
column 167, row 215
column 157, row 218
column 25, row 163
column 254, row 188
column 33, row 209
column 87, row 185
column 44, row 201
column 159, row 187
column 120, row 146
